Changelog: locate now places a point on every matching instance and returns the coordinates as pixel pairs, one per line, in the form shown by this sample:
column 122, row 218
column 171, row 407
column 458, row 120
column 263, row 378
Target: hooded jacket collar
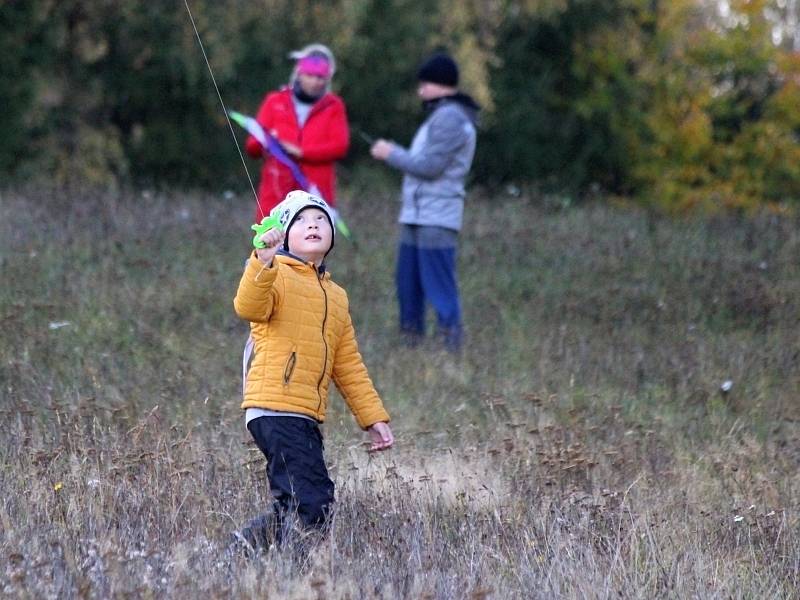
column 465, row 101
column 321, row 103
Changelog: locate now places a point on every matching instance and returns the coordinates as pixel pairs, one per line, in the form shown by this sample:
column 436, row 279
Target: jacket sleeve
column 351, row 377
column 259, row 291
column 253, row 147
column 447, row 132
column 335, row 142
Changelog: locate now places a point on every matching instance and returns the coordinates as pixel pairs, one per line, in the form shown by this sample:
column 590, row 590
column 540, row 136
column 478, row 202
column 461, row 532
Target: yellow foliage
column 684, row 164
column 95, row 157
column 539, row 8
column 784, row 105
column 694, row 135
column 469, row 29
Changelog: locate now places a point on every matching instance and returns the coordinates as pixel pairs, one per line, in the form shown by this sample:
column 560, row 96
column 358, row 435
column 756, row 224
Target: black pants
column 298, row 477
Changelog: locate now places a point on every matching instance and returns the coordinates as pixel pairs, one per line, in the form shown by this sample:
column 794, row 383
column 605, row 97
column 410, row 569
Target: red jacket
column 324, row 138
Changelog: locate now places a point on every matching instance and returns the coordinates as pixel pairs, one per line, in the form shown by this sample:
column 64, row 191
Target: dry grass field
column 582, row 447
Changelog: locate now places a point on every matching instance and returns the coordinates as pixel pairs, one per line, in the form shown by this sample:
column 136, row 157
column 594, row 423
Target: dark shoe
column 258, row 535
column 411, row 339
column 239, row 547
column 452, row 339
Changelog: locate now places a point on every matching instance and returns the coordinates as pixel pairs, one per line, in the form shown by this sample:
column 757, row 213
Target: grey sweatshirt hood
column 465, row 102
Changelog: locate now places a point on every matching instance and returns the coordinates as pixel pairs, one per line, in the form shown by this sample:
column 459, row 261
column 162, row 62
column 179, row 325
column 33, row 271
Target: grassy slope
column 581, row 447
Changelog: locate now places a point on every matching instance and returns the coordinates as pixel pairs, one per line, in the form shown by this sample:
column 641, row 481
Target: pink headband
column 314, row 65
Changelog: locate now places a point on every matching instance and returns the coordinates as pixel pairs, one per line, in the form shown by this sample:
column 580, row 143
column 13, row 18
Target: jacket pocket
column 289, row 368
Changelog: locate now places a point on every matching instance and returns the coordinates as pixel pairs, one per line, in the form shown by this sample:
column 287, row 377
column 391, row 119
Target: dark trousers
column 297, row 475
column 426, row 271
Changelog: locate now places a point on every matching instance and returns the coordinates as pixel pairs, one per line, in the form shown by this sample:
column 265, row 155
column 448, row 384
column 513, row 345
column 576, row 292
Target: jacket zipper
column 324, row 342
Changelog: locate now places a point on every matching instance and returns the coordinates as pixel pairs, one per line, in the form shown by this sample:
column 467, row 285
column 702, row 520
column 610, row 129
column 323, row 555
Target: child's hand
column 381, row 436
column 272, row 240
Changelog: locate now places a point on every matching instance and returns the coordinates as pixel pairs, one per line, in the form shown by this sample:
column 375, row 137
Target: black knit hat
column 439, row 68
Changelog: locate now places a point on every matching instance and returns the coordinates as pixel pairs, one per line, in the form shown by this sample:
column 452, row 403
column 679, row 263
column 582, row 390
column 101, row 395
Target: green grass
column 581, row 447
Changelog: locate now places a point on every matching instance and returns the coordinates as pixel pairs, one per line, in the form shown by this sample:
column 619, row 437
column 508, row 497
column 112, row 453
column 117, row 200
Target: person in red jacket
column 310, row 123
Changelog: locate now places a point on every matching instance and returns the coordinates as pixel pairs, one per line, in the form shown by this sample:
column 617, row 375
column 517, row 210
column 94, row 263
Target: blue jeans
column 426, row 273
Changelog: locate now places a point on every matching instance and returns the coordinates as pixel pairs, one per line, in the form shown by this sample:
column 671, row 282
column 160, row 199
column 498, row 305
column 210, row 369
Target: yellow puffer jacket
column 303, row 334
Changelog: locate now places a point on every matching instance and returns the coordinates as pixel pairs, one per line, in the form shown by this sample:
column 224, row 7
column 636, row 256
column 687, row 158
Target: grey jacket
column 437, row 164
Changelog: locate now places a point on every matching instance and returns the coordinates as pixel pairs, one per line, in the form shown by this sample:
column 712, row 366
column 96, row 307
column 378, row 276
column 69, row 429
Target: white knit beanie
column 291, row 206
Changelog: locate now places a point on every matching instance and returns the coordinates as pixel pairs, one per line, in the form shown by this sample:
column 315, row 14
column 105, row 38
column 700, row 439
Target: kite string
column 224, row 110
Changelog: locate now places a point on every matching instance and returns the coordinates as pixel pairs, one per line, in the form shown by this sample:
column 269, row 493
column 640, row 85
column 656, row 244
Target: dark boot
column 451, row 338
column 257, row 536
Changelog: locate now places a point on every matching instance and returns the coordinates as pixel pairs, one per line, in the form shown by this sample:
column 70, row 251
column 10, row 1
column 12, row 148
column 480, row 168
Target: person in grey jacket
column 435, row 168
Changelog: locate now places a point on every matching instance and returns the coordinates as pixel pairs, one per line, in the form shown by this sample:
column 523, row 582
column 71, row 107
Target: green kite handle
column 267, row 223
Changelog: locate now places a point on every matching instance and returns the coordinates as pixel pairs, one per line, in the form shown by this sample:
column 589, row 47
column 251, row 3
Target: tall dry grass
column 581, row 447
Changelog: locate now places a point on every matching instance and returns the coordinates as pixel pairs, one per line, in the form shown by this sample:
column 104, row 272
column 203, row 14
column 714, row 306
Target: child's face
column 310, row 235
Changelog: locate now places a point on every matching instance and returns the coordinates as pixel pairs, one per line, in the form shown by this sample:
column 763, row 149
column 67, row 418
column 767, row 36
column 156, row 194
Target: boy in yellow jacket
column 303, row 338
